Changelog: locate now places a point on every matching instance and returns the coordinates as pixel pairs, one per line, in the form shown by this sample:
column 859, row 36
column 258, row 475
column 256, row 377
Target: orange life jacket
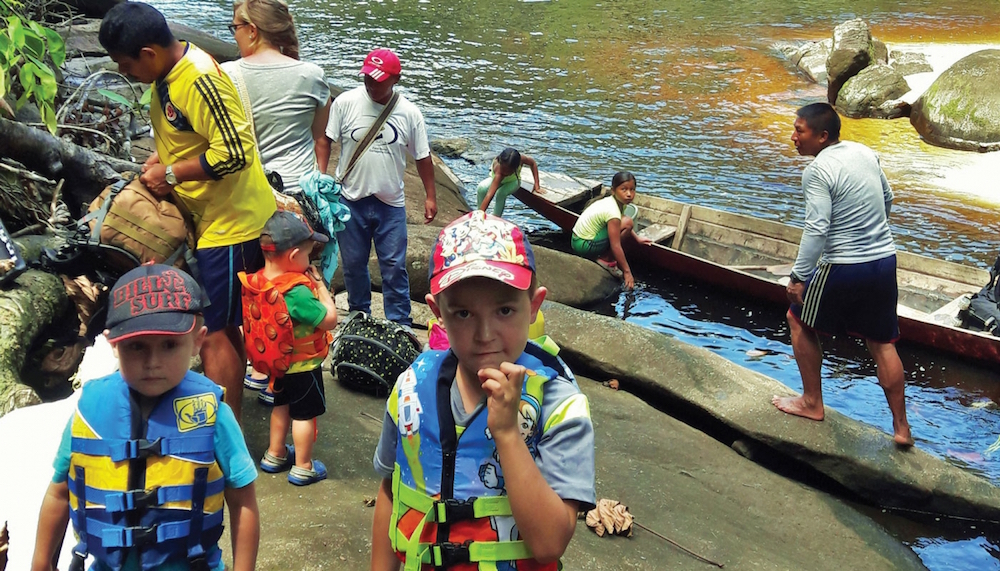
column 267, row 328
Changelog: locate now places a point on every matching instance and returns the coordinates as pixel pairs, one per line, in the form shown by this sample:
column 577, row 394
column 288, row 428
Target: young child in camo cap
column 466, row 430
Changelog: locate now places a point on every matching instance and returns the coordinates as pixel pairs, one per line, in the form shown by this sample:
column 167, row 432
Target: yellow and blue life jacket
column 151, row 486
column 462, row 523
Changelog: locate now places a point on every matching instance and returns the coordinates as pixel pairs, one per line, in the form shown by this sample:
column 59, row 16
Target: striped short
column 856, row 299
column 219, row 268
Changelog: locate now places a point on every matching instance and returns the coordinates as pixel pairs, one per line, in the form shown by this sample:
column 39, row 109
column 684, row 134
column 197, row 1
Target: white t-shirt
column 283, row 117
column 379, row 172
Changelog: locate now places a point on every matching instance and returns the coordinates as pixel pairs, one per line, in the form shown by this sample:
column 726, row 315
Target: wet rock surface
column 735, row 403
column 961, row 109
column 874, row 93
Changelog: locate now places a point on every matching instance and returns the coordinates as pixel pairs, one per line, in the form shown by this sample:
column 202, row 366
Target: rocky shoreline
column 956, row 108
column 703, row 491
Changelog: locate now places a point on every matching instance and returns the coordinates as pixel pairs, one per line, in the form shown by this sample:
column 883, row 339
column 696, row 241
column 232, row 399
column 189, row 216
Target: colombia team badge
column 195, row 411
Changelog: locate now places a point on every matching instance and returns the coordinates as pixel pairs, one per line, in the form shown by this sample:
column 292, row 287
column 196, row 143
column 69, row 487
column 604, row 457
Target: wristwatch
column 170, row 177
column 796, row 279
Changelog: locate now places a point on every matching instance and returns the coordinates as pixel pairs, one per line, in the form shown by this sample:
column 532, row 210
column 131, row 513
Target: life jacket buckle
column 199, row 563
column 130, row 536
column 447, row 554
column 146, row 448
column 452, row 510
column 142, row 499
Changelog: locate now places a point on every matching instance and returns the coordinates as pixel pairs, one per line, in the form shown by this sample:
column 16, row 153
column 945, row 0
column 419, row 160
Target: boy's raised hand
column 503, row 389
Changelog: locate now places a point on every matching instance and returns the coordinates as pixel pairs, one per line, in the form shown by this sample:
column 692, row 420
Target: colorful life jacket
column 465, row 523
column 155, row 488
column 268, row 329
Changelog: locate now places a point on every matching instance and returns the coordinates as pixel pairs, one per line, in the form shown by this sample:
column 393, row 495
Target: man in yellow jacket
column 205, row 153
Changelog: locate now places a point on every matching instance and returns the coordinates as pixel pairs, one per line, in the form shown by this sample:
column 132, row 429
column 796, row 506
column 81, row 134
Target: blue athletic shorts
column 219, row 268
column 856, row 299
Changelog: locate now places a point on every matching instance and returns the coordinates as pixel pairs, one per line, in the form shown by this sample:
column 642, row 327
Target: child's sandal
column 272, row 464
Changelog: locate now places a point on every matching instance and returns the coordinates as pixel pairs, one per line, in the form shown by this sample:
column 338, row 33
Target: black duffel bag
column 369, row 353
column 983, row 313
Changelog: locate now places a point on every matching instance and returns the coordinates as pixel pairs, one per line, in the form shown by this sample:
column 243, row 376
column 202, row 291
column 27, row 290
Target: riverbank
column 677, row 481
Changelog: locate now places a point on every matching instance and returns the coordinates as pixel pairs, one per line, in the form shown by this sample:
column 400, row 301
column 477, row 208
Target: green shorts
column 592, row 248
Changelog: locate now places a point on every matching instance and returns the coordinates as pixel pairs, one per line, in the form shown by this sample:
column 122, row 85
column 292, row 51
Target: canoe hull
column 923, row 330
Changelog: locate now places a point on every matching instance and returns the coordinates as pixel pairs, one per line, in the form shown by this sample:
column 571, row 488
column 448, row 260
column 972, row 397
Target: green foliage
column 132, row 105
column 25, row 46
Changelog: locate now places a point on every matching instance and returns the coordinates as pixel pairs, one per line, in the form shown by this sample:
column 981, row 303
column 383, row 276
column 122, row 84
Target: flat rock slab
column 861, row 458
column 676, row 481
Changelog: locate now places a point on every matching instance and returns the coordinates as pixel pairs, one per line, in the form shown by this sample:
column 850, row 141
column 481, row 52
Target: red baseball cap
column 381, row 64
column 481, row 245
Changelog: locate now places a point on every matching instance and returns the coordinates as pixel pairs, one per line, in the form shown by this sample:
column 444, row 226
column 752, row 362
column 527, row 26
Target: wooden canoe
column 754, row 257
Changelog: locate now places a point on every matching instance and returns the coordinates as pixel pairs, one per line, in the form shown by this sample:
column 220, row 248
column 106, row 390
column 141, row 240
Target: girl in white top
column 601, row 228
column 290, row 100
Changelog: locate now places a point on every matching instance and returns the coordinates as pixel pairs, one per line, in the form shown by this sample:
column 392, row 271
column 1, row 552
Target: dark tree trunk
column 86, row 173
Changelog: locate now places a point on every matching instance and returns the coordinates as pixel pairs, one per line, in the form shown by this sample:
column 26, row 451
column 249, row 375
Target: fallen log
column 86, row 172
column 36, row 300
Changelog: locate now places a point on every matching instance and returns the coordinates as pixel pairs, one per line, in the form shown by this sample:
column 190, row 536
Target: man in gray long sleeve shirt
column 844, row 277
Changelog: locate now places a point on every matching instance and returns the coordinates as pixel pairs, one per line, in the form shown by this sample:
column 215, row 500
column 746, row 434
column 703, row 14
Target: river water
column 692, row 98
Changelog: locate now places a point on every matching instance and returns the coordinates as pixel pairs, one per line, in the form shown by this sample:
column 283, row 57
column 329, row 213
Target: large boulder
column 853, row 50
column 909, row 63
column 874, row 93
column 810, row 58
column 961, row 109
column 570, row 279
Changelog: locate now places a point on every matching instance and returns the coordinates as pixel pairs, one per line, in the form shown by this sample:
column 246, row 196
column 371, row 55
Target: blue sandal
column 303, row 477
column 249, row 382
column 273, row 464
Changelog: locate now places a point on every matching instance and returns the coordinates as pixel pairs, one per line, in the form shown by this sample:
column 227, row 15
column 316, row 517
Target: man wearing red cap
column 373, row 187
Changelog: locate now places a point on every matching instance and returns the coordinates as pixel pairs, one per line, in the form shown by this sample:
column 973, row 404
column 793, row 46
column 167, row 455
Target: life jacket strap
column 119, row 450
column 80, row 521
column 116, row 536
column 447, row 554
column 195, row 551
column 140, row 499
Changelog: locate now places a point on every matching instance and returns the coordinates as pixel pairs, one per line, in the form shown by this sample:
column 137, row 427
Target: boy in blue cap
column 152, row 451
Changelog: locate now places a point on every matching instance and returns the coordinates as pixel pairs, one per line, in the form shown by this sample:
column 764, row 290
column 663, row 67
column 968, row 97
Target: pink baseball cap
column 481, row 245
column 381, row 64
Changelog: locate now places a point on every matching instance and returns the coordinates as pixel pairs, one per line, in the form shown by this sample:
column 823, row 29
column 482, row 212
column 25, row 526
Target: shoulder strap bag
column 369, row 137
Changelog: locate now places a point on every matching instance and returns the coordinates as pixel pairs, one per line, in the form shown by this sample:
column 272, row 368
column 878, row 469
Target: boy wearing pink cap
column 373, row 188
column 487, row 449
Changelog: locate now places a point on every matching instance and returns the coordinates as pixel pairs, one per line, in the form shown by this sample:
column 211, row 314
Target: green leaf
column 112, row 96
column 48, row 116
column 33, row 45
column 22, row 100
column 27, row 77
column 57, row 47
column 43, row 68
column 3, row 84
column 15, row 29
column 146, row 98
column 48, row 85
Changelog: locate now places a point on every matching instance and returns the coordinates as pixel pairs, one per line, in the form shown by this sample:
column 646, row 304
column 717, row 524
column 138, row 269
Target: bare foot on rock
column 798, row 407
column 902, row 436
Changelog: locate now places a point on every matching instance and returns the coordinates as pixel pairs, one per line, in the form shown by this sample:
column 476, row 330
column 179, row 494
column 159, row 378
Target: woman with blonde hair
column 287, row 102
